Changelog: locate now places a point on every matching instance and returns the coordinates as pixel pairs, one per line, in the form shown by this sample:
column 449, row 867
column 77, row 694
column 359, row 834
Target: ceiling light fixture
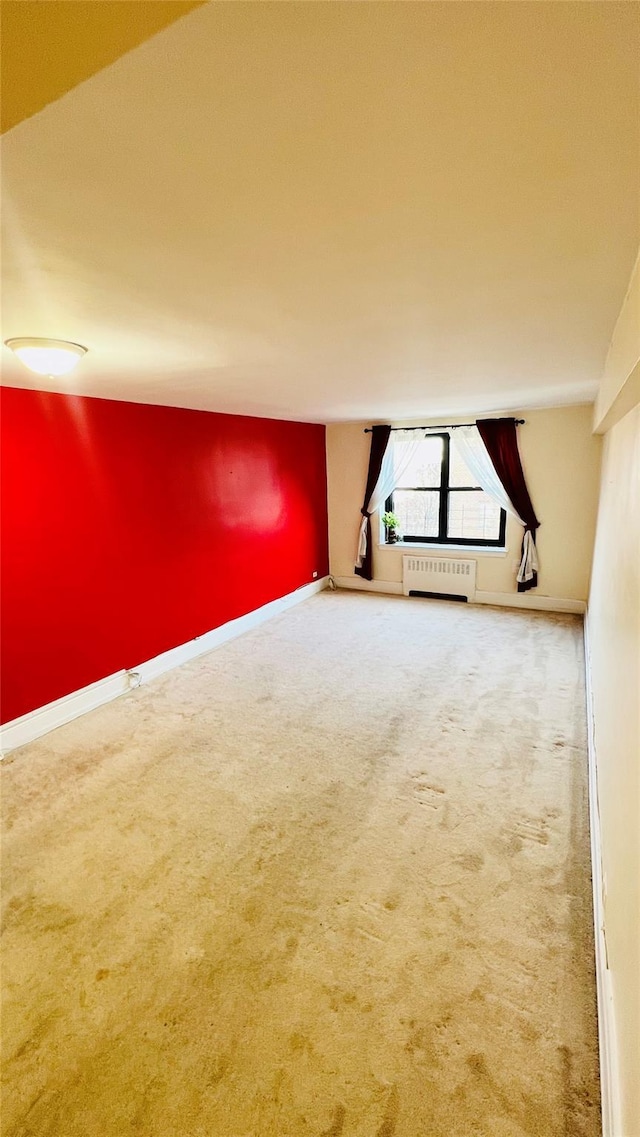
column 47, row 357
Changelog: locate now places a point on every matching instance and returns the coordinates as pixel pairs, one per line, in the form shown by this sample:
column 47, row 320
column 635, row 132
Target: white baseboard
column 501, row 599
column 36, row 723
column 609, row 1074
column 151, row 668
column 390, row 587
column 530, row 600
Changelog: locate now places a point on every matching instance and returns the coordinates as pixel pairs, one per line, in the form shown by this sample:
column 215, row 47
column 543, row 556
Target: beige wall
column 561, row 459
column 614, row 640
column 614, row 662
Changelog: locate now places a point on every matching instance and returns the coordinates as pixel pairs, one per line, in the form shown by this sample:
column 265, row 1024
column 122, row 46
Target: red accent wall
column 130, row 529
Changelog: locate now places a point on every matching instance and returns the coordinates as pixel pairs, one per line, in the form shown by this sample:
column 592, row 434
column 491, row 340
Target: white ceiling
column 335, row 211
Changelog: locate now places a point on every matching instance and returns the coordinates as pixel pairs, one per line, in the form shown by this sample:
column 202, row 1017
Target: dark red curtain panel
column 501, row 440
column 379, row 441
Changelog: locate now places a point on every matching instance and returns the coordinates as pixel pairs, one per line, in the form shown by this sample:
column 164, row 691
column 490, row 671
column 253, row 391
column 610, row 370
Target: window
column 436, row 501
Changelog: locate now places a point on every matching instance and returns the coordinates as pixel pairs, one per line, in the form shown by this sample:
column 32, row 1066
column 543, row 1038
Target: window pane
column 459, row 475
column 473, row 515
column 417, row 511
column 424, row 468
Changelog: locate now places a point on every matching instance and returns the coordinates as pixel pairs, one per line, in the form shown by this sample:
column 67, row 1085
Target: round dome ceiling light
column 47, row 357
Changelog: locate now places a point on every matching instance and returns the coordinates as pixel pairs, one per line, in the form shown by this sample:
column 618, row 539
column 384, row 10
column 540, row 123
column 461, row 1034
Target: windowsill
column 478, row 550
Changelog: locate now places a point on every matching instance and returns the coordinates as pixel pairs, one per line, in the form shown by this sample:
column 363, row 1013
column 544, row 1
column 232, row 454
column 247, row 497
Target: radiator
column 439, row 576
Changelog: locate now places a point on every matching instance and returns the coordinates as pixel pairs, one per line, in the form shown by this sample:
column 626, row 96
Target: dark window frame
column 444, row 489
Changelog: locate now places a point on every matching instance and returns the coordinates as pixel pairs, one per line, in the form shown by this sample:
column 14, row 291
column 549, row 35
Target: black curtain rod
column 445, row 426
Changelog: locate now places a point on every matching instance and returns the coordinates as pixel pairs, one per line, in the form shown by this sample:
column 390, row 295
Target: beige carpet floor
column 331, row 880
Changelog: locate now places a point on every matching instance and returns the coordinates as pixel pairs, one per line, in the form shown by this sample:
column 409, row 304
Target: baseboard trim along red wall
column 129, row 529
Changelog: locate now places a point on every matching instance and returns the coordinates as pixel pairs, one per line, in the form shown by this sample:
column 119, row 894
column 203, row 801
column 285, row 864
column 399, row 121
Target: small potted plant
column 391, row 524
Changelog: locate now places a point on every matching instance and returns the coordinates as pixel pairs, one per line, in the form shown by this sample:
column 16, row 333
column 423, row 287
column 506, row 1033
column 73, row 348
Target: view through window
column 436, row 500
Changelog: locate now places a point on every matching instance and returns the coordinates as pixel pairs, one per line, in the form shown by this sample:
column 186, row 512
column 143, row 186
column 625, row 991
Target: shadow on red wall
column 130, row 529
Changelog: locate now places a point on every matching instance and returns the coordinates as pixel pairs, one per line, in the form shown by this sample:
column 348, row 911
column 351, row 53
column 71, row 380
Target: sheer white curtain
column 473, row 453
column 402, row 449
